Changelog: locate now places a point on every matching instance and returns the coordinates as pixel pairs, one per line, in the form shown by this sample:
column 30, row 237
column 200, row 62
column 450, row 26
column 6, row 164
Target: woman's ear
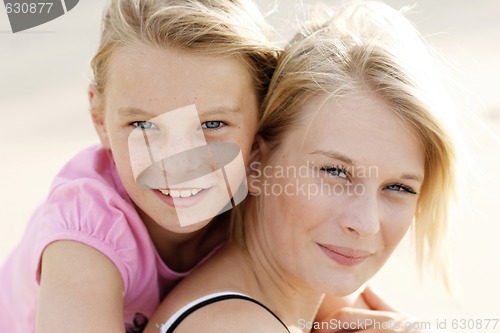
column 258, row 153
column 97, row 113
column 254, row 168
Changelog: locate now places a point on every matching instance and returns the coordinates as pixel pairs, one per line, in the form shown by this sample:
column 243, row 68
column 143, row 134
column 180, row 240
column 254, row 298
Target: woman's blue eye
column 144, row 125
column 212, row 125
column 336, row 171
column 401, row 188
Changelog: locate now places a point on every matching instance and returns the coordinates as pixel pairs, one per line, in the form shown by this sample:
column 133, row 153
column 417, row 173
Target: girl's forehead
column 134, row 55
column 165, row 75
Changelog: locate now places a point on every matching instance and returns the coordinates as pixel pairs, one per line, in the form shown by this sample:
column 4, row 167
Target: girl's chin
column 193, row 227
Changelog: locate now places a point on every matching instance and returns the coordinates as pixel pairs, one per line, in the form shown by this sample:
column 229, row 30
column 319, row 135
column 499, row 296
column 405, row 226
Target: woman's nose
column 361, row 215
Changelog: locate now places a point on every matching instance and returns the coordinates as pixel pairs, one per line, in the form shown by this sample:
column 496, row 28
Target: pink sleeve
column 89, row 212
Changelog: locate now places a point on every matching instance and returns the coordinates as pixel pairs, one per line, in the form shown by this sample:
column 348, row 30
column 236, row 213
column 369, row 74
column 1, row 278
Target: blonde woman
column 350, row 154
column 103, row 249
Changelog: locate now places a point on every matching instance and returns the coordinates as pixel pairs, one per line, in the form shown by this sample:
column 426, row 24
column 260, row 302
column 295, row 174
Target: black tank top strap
column 216, row 298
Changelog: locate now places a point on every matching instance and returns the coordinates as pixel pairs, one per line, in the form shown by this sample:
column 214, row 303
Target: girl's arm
column 81, row 290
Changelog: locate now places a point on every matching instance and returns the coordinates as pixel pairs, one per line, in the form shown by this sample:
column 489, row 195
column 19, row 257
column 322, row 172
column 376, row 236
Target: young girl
column 103, row 250
column 350, row 154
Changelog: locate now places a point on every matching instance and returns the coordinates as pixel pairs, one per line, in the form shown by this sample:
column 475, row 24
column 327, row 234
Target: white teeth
column 175, row 193
column 195, row 191
column 185, row 193
column 181, row 193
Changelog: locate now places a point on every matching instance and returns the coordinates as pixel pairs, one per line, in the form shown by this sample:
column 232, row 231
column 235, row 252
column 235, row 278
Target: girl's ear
column 258, row 155
column 97, row 113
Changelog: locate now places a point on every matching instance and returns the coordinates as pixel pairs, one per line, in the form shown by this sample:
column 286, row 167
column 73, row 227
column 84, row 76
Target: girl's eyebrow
column 221, row 110
column 334, row 155
column 133, row 111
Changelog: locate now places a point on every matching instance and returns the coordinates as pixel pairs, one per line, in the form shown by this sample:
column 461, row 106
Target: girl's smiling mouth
column 182, row 197
column 181, row 193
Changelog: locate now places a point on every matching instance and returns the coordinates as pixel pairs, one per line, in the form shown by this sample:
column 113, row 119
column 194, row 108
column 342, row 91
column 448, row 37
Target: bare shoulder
column 231, row 315
column 218, row 274
column 74, row 262
column 73, row 275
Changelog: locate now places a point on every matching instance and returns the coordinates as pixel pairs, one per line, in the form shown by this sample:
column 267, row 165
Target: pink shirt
column 86, row 203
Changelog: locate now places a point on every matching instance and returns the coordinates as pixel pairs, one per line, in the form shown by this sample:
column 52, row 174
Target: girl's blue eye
column 336, row 171
column 144, row 125
column 212, row 125
column 401, row 188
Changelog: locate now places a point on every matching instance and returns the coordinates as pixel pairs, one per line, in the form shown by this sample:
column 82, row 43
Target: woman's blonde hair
column 208, row 27
column 368, row 45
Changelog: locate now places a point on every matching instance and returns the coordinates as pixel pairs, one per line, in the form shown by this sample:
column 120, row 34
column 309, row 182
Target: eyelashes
column 336, row 171
column 144, row 125
column 211, row 125
column 398, row 187
column 340, row 171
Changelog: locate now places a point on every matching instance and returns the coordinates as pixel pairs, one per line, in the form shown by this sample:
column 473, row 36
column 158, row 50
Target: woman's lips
column 344, row 255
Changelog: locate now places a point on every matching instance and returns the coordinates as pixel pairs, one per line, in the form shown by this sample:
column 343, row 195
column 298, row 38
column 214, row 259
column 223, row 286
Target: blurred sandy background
column 44, row 121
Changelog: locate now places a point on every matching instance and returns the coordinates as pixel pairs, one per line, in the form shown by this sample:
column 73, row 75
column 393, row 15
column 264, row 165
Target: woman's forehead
column 360, row 126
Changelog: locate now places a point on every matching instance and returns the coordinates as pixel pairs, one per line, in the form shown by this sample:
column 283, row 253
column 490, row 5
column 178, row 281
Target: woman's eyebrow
column 408, row 176
column 347, row 160
column 334, row 155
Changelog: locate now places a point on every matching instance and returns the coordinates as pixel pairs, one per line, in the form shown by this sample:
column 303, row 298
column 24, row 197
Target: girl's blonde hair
column 368, row 45
column 208, row 27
